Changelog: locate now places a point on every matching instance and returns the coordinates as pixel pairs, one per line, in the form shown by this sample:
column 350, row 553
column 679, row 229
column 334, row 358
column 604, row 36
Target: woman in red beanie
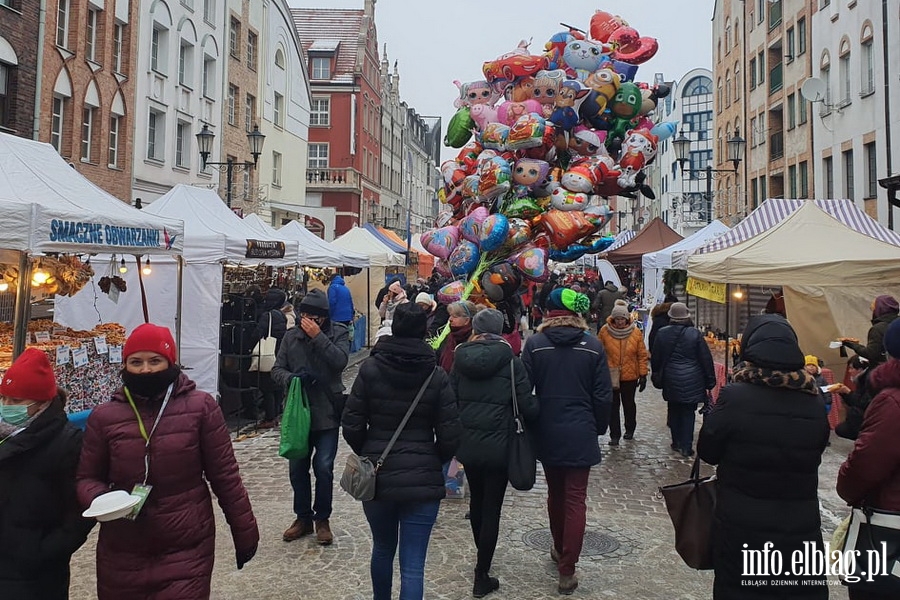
column 161, row 432
column 40, row 520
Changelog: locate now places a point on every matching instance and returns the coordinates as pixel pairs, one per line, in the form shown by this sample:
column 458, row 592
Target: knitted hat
column 425, row 298
column 565, row 299
column 151, row 338
column 488, row 320
column 892, row 339
column 885, row 305
column 679, row 310
column 770, row 342
column 30, row 378
column 315, row 303
column 620, row 309
column 809, row 359
column 409, row 321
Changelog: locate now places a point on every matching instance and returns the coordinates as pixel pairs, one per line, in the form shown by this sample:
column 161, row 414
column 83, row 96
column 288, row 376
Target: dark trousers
column 408, row 524
column 273, row 396
column 487, row 487
column 623, row 396
column 566, row 496
column 322, row 450
column 681, row 422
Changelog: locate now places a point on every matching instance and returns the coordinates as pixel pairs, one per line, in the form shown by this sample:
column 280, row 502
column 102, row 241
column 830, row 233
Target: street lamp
column 205, row 139
column 682, row 145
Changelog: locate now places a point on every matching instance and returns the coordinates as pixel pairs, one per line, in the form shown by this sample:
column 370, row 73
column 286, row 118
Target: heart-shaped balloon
column 464, row 258
column 443, row 268
column 603, row 24
column 441, row 242
column 470, row 226
column 493, row 232
column 532, row 263
column 518, row 233
column 452, row 292
column 640, row 51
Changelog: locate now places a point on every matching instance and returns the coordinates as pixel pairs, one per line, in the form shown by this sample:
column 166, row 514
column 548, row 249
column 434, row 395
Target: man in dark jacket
column 316, row 351
column 604, row 302
column 684, row 359
column 340, row 302
column 40, row 520
column 884, row 311
column 766, row 434
column 571, row 379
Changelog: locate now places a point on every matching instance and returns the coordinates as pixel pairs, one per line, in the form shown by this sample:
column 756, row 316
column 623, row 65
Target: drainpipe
column 39, row 67
column 887, row 103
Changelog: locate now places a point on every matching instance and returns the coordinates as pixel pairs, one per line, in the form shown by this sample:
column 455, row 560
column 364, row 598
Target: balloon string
column 483, row 262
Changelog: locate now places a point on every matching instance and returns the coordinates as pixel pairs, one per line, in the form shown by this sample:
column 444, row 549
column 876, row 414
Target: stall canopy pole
column 727, row 322
column 368, row 305
column 137, row 261
column 179, row 296
column 23, row 304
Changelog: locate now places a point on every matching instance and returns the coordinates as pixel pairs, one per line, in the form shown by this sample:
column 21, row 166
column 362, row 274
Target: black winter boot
column 484, row 585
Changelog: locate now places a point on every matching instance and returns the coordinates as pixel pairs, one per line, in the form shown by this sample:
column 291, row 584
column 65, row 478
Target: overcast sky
column 437, row 41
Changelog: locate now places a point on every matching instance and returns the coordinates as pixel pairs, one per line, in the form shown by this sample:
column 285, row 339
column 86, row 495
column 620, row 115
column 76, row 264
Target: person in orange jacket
column 625, row 352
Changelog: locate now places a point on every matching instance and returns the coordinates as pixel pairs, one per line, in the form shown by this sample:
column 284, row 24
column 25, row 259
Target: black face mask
column 150, row 385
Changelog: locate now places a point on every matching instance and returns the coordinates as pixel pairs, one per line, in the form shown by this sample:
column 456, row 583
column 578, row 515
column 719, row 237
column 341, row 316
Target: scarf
column 458, row 335
column 620, row 333
column 798, row 380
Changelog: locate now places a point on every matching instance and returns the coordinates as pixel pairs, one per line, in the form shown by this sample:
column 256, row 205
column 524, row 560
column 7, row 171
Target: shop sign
column 98, row 234
column 706, row 289
column 264, row 249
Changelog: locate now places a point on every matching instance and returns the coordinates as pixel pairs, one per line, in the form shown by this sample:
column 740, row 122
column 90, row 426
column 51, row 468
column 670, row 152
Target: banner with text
column 706, row 289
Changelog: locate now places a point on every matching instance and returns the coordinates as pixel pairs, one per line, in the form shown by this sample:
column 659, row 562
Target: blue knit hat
column 565, row 299
column 892, row 339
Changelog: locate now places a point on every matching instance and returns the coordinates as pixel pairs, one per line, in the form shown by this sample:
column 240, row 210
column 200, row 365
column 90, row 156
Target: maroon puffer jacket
column 168, row 552
column 871, row 474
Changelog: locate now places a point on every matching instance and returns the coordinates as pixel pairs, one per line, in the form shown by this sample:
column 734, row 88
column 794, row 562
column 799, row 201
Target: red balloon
column 603, row 24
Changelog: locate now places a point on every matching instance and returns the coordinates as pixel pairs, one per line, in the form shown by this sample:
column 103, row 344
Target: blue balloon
column 464, row 258
column 626, row 71
column 493, row 232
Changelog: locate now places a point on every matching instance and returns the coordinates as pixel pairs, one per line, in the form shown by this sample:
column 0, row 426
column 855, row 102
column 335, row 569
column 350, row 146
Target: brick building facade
column 19, row 33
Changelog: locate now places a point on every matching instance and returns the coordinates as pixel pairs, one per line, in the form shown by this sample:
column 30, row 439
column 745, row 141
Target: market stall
column 364, row 287
column 215, row 239
column 830, row 258
column 320, row 253
column 654, row 236
column 54, row 220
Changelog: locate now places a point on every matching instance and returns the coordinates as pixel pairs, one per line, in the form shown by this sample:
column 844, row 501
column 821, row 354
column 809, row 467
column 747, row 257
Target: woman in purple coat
column 160, row 430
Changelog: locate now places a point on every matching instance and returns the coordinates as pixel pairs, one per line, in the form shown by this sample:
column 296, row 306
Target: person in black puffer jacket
column 571, row 378
column 410, row 484
column 40, row 520
column 483, row 380
column 682, row 355
column 272, row 319
column 766, row 434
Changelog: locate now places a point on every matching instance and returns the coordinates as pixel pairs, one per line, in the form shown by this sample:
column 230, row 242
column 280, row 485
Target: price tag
column 114, row 294
column 100, row 344
column 29, row 337
column 115, row 355
column 42, row 336
column 60, row 330
column 80, row 357
column 62, row 355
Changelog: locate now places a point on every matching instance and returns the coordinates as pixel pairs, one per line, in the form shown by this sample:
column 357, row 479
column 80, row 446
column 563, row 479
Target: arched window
column 698, row 86
column 727, row 88
column 844, row 71
column 727, row 35
column 279, row 59
column 737, row 81
column 737, row 33
column 825, row 72
column 867, row 72
column 719, row 95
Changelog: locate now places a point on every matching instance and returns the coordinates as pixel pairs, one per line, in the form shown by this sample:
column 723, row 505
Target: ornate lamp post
column 682, row 145
column 205, row 139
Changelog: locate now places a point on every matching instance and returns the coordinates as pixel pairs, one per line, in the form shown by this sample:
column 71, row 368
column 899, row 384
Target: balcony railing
column 776, row 145
column 332, row 178
column 776, row 78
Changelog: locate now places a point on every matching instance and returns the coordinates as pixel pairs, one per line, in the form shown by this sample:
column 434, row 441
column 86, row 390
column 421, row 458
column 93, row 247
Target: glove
column 705, row 408
column 642, row 383
column 306, row 377
column 244, row 557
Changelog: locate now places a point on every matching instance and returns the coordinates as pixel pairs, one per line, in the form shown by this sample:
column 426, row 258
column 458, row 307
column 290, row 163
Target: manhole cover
column 595, row 544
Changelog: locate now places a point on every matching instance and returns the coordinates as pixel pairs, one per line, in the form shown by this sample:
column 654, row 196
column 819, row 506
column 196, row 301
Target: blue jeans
column 681, row 422
column 322, row 450
column 411, row 523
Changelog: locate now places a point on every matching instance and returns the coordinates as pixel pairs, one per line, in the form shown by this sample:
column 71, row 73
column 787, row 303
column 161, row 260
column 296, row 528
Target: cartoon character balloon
column 464, row 258
column 441, row 242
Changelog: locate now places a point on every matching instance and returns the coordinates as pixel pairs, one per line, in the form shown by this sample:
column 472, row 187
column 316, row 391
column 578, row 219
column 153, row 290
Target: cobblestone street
column 629, row 552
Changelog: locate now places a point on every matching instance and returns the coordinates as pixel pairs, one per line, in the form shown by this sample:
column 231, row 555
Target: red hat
column 30, row 378
column 151, row 338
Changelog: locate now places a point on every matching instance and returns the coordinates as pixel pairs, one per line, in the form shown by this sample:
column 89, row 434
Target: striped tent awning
column 622, row 238
column 775, row 210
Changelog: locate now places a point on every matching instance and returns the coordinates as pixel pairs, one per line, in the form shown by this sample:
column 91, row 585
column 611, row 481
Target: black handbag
column 522, row 461
column 691, row 506
column 874, row 534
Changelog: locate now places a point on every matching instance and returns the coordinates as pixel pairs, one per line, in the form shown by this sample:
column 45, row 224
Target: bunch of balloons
column 544, row 139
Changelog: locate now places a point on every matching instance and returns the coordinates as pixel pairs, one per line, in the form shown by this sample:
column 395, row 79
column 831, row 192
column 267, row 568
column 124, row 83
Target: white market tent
column 830, row 258
column 364, row 287
column 320, row 253
column 214, row 237
column 674, row 257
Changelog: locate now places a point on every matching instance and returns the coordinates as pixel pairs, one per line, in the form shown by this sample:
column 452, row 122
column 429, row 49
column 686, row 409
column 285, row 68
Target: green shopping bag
column 295, row 423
